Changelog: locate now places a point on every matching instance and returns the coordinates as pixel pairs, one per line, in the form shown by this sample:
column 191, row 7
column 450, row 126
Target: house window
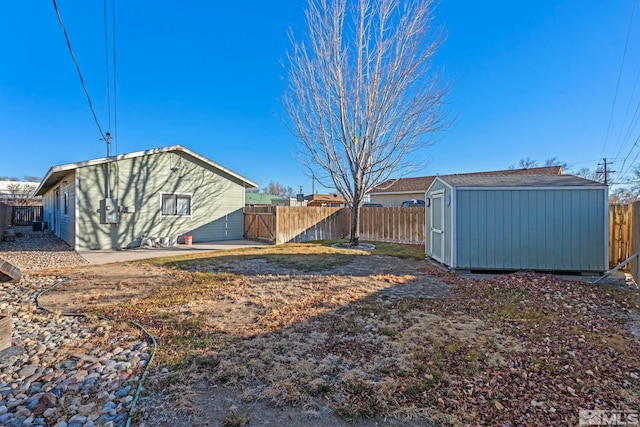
column 176, row 204
column 66, row 203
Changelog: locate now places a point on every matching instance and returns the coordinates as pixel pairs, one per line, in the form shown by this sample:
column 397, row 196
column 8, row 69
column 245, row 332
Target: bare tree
column 361, row 93
column 525, row 163
column 554, row 161
column 20, row 193
column 278, row 189
column 530, row 162
column 624, row 195
column 587, row 173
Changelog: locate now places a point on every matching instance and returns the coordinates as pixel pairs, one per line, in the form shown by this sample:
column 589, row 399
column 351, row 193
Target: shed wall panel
column 537, row 229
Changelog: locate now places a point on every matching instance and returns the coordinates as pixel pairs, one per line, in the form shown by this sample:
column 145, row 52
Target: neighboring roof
column 325, row 198
column 420, row 184
column 486, row 181
column 56, row 173
column 259, row 198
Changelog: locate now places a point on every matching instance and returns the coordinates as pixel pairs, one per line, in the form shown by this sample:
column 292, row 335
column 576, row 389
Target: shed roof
column 406, row 185
column 56, row 173
column 538, row 181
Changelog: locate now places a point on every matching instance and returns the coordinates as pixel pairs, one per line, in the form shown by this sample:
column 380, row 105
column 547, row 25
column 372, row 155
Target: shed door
column 436, row 221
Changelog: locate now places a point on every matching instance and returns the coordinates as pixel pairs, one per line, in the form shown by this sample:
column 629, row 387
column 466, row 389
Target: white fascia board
column 391, row 193
column 76, row 210
column 454, row 230
column 574, row 187
column 439, row 180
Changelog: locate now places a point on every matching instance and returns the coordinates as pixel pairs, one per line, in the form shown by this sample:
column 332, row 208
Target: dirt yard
column 91, row 286
column 308, row 335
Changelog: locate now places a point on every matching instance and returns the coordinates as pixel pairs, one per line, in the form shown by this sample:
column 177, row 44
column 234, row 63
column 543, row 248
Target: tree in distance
column 278, row 189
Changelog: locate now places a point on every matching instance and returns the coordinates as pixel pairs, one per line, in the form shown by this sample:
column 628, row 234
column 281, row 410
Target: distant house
column 395, row 191
column 259, row 199
column 326, row 200
column 517, row 222
column 289, row 201
column 170, row 192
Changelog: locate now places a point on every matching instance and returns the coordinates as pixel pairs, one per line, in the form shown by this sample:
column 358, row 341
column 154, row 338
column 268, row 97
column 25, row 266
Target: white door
column 436, row 221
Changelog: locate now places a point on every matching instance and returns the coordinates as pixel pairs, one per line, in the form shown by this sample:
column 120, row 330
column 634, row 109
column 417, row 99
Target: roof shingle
column 403, row 185
column 518, row 181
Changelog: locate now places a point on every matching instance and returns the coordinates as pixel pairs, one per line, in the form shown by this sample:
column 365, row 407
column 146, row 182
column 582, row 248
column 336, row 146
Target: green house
column 519, row 222
column 161, row 194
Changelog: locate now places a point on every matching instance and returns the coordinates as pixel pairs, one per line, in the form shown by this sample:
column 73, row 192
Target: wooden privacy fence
column 624, row 236
column 5, row 217
column 620, row 223
column 634, row 219
column 283, row 224
column 393, row 225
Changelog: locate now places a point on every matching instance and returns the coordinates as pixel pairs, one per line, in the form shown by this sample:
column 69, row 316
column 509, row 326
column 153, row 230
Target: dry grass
column 484, row 356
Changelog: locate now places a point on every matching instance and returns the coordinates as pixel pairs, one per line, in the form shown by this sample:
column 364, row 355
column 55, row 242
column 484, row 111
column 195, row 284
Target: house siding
column 537, row 229
column 53, row 202
column 216, row 201
column 395, row 200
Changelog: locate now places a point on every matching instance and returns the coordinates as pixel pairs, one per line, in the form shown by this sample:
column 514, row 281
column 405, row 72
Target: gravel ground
column 36, row 250
column 62, row 371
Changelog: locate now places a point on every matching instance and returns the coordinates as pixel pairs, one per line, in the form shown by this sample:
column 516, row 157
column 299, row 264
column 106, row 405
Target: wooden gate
column 260, row 223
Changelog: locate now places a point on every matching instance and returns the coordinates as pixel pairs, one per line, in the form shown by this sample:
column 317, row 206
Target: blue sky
column 531, row 79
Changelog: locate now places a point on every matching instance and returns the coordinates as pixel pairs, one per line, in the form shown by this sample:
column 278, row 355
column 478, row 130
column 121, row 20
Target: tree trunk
column 355, row 225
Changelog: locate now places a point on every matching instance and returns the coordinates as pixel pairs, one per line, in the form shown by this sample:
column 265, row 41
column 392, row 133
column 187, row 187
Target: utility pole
column 605, row 171
column 108, row 179
column 313, row 183
column 108, row 140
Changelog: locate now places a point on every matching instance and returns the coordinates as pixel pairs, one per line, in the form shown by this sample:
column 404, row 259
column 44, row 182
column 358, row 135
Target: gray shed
column 519, row 222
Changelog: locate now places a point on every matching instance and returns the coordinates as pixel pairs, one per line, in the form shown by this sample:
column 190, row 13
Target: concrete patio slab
column 109, row 256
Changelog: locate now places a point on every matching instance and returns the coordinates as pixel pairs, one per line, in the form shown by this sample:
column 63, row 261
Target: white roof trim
column 446, row 184
column 533, row 187
column 391, row 193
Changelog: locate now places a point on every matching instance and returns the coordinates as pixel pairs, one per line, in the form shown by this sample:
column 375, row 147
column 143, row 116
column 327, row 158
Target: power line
column 635, row 144
column 615, row 97
column 73, row 57
column 621, row 140
column 115, row 86
column 106, row 56
column 627, row 157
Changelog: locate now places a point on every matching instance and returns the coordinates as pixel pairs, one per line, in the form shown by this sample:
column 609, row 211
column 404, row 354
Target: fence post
column 634, row 216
